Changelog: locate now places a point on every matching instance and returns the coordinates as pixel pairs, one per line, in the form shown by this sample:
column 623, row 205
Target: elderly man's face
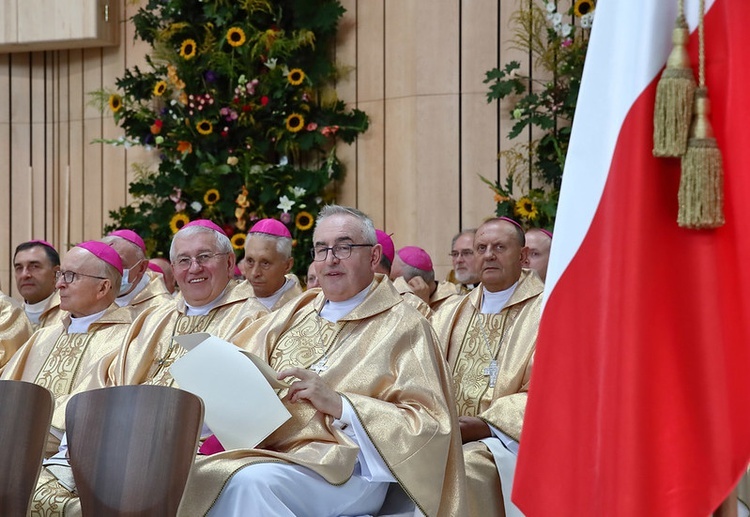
column 464, row 263
column 343, row 278
column 499, row 255
column 132, row 259
column 201, row 283
column 265, row 267
column 167, row 274
column 84, row 295
column 538, row 257
column 35, row 274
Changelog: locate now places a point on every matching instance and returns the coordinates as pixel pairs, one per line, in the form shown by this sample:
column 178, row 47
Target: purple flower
column 209, row 76
column 286, row 217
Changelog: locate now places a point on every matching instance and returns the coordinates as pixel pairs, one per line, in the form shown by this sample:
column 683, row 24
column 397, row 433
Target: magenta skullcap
column 511, row 221
column 206, row 224
column 42, row 242
column 154, row 267
column 389, row 250
column 103, row 252
column 130, row 236
column 271, row 227
column 416, row 257
column 545, row 232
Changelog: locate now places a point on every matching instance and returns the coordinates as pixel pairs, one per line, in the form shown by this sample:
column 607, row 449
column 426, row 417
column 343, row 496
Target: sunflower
column 582, row 7
column 160, row 88
column 295, row 122
column 525, row 207
column 188, row 49
column 296, row 76
column 238, row 241
column 303, row 221
column 115, row 103
column 236, row 36
column 178, row 221
column 204, row 127
column 211, row 197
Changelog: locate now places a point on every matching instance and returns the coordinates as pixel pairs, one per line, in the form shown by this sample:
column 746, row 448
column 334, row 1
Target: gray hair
column 470, row 231
column 366, row 225
column 409, row 272
column 283, row 244
column 223, row 244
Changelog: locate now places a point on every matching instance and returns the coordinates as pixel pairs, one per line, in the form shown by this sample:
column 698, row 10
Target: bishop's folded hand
column 310, row 387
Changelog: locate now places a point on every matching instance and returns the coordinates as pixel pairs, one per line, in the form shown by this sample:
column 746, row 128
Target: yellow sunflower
column 160, row 88
column 188, row 49
column 204, row 127
column 211, row 197
column 303, row 221
column 525, row 207
column 115, row 103
column 238, row 241
column 178, row 221
column 296, row 76
column 582, row 7
column 236, row 36
column 295, row 122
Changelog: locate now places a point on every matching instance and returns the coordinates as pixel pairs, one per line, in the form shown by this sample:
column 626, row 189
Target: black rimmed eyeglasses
column 340, row 251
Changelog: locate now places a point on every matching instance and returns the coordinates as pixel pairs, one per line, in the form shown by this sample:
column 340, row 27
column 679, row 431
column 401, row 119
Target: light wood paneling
column 415, row 67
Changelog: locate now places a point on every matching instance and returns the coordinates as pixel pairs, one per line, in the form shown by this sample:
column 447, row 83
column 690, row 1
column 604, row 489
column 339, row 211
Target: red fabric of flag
column 640, row 396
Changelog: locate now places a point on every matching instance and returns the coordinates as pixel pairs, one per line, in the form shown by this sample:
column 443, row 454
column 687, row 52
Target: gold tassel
column 701, row 194
column 674, row 97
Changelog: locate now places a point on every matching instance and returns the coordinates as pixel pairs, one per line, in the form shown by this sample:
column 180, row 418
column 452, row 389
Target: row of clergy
column 397, row 407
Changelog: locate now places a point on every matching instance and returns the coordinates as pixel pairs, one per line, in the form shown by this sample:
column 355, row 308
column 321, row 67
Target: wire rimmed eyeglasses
column 340, row 251
column 70, row 276
column 202, row 259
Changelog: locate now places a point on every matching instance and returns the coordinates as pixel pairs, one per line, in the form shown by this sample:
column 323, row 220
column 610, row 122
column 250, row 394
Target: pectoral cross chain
column 492, row 371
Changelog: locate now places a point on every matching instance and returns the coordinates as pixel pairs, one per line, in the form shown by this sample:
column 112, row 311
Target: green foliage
column 237, row 99
column 546, row 105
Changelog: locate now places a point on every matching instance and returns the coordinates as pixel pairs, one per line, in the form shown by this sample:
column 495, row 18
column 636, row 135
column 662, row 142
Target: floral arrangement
column 547, row 102
column 238, row 102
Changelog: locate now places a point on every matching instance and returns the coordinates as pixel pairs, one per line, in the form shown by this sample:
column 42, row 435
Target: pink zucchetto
column 206, row 224
column 130, row 236
column 389, row 250
column 545, row 232
column 154, row 267
column 103, row 252
column 415, row 257
column 271, row 227
column 42, row 242
column 511, row 221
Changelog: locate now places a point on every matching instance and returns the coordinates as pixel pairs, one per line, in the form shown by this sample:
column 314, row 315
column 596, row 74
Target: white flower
column 271, row 63
column 298, row 191
column 256, row 169
column 550, row 6
column 587, row 20
column 557, row 19
column 233, row 160
column 566, row 30
column 285, row 204
column 197, row 207
column 283, row 161
column 241, row 79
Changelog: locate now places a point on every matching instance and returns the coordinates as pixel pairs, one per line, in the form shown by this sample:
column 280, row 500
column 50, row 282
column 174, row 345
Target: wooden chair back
column 132, row 448
column 25, row 416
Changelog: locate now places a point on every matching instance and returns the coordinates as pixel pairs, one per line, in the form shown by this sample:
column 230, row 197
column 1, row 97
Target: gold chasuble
column 67, row 364
column 490, row 357
column 410, row 298
column 289, row 294
column 52, row 314
column 15, row 328
column 384, row 359
column 150, row 350
column 445, row 291
column 154, row 295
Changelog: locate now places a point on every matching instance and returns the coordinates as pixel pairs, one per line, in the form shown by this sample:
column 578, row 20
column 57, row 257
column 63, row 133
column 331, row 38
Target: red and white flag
column 640, row 396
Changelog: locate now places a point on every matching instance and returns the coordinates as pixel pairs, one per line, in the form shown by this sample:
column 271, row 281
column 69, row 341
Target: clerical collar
column 334, row 311
column 493, row 303
column 269, row 301
column 202, row 310
column 124, row 300
column 81, row 325
column 35, row 310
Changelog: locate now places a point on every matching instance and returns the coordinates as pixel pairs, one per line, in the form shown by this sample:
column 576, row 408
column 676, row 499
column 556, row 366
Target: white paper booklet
column 241, row 406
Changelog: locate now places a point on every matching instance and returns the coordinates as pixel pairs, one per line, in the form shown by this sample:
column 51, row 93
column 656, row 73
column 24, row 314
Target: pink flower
column 285, row 217
column 312, row 126
column 180, row 206
column 175, row 195
column 566, row 42
column 329, row 130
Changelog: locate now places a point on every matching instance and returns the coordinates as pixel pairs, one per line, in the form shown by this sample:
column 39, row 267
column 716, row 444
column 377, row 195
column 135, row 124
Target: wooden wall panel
column 415, row 67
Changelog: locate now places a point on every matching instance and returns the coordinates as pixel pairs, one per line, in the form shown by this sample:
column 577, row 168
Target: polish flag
column 640, row 397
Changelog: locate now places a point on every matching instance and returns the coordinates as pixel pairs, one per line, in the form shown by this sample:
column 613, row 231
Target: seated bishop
column 371, row 404
column 34, row 265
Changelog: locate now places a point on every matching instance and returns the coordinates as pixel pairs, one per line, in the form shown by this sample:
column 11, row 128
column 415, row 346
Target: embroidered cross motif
column 320, row 366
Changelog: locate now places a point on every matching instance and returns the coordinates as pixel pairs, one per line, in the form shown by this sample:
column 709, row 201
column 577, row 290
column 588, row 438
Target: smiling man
column 268, row 262
column 34, row 264
column 75, row 354
column 490, row 336
column 208, row 301
column 371, row 404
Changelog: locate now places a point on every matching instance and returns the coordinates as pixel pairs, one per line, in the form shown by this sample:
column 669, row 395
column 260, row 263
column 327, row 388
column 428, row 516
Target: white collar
column 125, row 299
column 81, row 325
column 35, row 310
column 202, row 310
column 334, row 311
column 269, row 301
column 493, row 303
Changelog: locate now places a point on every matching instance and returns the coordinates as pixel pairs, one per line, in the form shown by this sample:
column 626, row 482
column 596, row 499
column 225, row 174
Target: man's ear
column 289, row 265
column 375, row 255
column 524, row 256
column 104, row 288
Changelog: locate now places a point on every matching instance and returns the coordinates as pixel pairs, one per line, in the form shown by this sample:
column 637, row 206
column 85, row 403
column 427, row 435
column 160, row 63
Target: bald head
column 539, row 243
